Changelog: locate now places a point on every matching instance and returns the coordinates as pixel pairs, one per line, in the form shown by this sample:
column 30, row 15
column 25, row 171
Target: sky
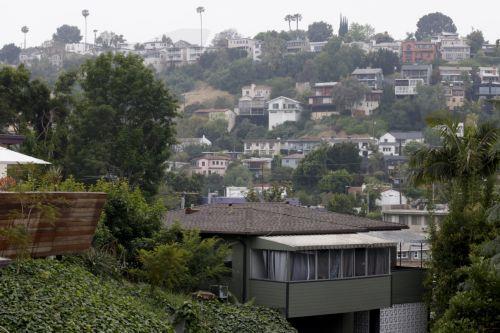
column 146, row 19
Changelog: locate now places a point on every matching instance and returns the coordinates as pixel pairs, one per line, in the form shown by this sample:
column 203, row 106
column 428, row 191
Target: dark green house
column 325, row 272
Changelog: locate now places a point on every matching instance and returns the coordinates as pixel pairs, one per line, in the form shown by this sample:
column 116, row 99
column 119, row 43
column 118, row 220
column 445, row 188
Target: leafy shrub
column 48, row 296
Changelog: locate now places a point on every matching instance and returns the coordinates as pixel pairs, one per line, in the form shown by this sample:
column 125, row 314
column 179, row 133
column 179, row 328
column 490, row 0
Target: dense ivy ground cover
column 48, row 296
column 51, row 296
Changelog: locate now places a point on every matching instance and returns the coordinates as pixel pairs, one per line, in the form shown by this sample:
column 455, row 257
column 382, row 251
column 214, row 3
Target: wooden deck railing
column 55, row 222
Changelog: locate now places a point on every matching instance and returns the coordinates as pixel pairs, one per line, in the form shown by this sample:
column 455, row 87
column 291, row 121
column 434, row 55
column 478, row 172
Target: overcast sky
column 145, row 19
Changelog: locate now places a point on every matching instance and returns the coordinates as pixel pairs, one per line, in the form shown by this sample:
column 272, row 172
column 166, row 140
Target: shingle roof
column 265, row 219
column 407, row 135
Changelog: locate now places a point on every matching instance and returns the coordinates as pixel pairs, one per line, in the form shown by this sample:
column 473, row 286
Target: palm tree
column 85, row 13
column 25, row 30
column 297, row 17
column 289, row 18
column 463, row 159
column 200, row 10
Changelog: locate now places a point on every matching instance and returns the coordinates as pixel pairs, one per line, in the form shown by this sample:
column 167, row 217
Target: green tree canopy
column 359, row 32
column 342, row 203
column 237, row 175
column 335, row 181
column 383, row 37
column 347, row 93
column 475, row 40
column 326, row 158
column 9, row 53
column 123, row 124
column 432, row 24
column 67, row 34
column 319, row 31
column 387, row 60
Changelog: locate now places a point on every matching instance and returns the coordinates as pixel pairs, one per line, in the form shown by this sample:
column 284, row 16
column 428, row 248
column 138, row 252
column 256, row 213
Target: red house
column 418, row 52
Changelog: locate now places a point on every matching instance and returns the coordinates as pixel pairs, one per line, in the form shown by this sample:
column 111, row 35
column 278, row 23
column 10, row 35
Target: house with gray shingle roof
column 309, row 262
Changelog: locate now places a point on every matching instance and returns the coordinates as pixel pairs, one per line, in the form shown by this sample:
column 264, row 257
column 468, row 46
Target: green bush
column 48, row 296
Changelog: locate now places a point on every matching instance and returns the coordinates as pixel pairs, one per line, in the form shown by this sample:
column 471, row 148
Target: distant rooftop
column 407, row 135
column 359, row 71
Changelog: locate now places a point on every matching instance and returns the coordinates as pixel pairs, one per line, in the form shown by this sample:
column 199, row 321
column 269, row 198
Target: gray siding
column 329, row 297
column 236, row 282
column 268, row 293
column 407, row 285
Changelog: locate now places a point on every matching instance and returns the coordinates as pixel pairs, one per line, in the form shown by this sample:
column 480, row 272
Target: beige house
column 214, row 114
column 455, row 96
column 417, row 220
column 210, row 164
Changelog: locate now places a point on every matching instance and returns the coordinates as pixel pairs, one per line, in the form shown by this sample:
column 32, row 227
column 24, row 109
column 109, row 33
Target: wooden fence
column 55, row 222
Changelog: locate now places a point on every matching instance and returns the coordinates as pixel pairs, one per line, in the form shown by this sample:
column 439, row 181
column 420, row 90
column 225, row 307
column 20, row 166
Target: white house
column 252, row 46
column 292, row 161
column 391, row 197
column 282, row 109
column 236, row 191
column 392, row 143
column 213, row 114
column 406, row 87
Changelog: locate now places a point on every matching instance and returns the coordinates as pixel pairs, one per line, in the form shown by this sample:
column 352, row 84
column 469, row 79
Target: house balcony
column 314, row 298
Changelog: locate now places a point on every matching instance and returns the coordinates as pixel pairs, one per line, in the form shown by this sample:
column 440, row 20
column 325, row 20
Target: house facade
column 407, row 87
column 320, row 102
column 392, row 143
column 417, row 220
column 258, row 165
column 308, row 263
column 365, row 144
column 488, row 74
column 454, row 95
column 292, row 160
column 282, row 109
column 253, row 47
column 369, row 103
column 454, row 74
column 210, row 164
column 262, row 147
column 372, row 77
column 416, row 71
column 417, row 52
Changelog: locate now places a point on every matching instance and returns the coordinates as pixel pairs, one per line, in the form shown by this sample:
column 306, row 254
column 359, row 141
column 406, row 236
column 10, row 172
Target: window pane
column 323, row 265
column 378, row 261
column 303, row 266
column 360, row 262
column 277, row 265
column 335, row 256
column 348, row 263
column 259, row 264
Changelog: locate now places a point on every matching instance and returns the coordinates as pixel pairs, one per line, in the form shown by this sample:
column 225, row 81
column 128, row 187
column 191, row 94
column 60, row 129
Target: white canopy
column 8, row 156
column 330, row 241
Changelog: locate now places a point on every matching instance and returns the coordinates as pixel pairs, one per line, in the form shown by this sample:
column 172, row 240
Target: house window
column 202, row 163
column 348, row 263
column 378, row 262
column 276, row 106
column 269, row 265
column 323, row 259
column 303, row 265
column 360, row 262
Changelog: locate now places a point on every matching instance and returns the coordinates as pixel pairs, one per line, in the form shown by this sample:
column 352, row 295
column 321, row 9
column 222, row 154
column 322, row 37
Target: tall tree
column 67, row 34
column 297, row 18
column 319, row 31
column 343, row 26
column 289, row 18
column 10, row 54
column 466, row 164
column 386, row 59
column 124, row 123
column 475, row 40
column 432, row 24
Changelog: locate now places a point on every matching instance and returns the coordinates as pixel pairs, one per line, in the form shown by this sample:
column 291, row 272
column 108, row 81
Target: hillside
column 51, row 296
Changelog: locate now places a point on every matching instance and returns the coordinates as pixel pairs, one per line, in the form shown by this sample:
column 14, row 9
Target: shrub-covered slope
column 48, row 296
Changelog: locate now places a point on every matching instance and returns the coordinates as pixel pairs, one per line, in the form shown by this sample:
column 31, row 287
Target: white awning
column 335, row 241
column 8, row 156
